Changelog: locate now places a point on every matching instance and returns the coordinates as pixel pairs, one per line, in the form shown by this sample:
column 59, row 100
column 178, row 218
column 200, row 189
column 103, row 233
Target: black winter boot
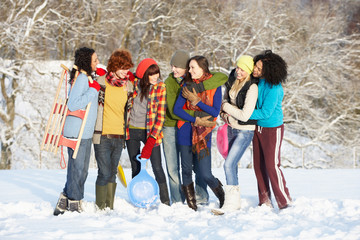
column 219, row 193
column 189, row 193
column 164, row 193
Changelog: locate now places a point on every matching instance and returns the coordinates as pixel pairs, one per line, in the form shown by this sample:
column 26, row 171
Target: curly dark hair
column 274, row 67
column 82, row 61
column 203, row 64
column 145, row 81
column 120, row 59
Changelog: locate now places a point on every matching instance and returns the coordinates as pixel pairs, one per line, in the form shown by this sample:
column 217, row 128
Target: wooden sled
column 53, row 137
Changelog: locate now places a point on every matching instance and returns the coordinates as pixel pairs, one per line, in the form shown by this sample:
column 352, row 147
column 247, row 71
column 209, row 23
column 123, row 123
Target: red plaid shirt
column 155, row 114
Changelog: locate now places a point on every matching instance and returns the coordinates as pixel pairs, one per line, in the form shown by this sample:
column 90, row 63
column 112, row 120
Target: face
column 94, row 62
column 178, row 72
column 241, row 74
column 195, row 70
column 121, row 73
column 154, row 78
column 258, row 69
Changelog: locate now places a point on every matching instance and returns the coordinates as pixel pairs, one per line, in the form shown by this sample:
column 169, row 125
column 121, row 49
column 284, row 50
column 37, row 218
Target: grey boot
column 110, row 196
column 62, row 205
column 100, row 196
column 75, row 205
column 164, row 194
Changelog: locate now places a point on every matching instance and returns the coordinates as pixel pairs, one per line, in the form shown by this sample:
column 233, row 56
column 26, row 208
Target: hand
column 95, row 85
column 202, row 114
column 204, row 121
column 199, row 87
column 147, row 149
column 100, row 71
column 191, row 96
column 224, row 116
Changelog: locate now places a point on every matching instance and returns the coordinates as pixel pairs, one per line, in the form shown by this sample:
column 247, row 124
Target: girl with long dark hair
column 194, row 136
column 82, row 93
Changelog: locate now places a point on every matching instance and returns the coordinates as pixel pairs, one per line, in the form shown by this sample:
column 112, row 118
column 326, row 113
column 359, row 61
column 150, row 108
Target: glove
column 100, row 71
column 204, row 121
column 191, row 96
column 95, row 85
column 202, row 114
column 199, row 87
column 147, row 149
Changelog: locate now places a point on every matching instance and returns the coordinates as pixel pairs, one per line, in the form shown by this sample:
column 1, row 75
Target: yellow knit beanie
column 246, row 63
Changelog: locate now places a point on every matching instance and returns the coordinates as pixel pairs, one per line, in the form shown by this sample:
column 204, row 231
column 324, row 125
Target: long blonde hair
column 238, row 84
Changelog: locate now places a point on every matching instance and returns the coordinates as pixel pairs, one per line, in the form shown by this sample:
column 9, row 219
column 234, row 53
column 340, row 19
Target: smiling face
column 178, row 72
column 94, row 62
column 154, row 78
column 258, row 69
column 241, row 74
column 121, row 73
column 195, row 70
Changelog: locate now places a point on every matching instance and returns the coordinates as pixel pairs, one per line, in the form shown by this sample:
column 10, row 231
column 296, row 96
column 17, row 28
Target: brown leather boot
column 189, row 193
column 219, row 193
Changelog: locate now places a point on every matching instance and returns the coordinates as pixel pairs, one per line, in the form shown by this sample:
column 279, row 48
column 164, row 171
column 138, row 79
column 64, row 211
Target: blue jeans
column 186, row 164
column 107, row 155
column 202, row 195
column 189, row 163
column 205, row 169
column 172, row 160
column 239, row 140
column 77, row 170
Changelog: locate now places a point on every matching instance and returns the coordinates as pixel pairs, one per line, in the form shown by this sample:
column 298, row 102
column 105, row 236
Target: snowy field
column 326, row 205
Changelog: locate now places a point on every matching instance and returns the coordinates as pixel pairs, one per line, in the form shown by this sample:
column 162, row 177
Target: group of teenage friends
column 180, row 113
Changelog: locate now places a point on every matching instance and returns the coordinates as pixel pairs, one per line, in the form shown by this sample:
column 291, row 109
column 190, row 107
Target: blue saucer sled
column 143, row 190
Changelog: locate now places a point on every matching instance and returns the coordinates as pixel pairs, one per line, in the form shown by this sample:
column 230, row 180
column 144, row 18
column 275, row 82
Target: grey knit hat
column 180, row 58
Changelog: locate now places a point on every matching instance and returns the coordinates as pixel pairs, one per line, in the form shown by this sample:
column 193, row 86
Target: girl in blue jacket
column 82, row 93
column 194, row 135
column 271, row 70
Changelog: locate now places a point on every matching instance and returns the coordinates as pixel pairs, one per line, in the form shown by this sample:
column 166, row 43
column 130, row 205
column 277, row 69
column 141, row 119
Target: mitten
column 95, row 85
column 147, row 149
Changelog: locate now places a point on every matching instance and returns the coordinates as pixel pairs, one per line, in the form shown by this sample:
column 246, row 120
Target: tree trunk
column 5, row 161
column 8, row 120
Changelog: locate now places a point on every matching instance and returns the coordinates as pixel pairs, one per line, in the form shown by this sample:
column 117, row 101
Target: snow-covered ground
column 326, row 205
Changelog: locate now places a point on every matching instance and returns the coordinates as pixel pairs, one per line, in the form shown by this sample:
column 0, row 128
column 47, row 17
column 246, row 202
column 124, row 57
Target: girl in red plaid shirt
column 145, row 119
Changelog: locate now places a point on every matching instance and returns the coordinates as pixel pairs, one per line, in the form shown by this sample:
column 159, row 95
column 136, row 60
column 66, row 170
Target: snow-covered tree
column 21, row 23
